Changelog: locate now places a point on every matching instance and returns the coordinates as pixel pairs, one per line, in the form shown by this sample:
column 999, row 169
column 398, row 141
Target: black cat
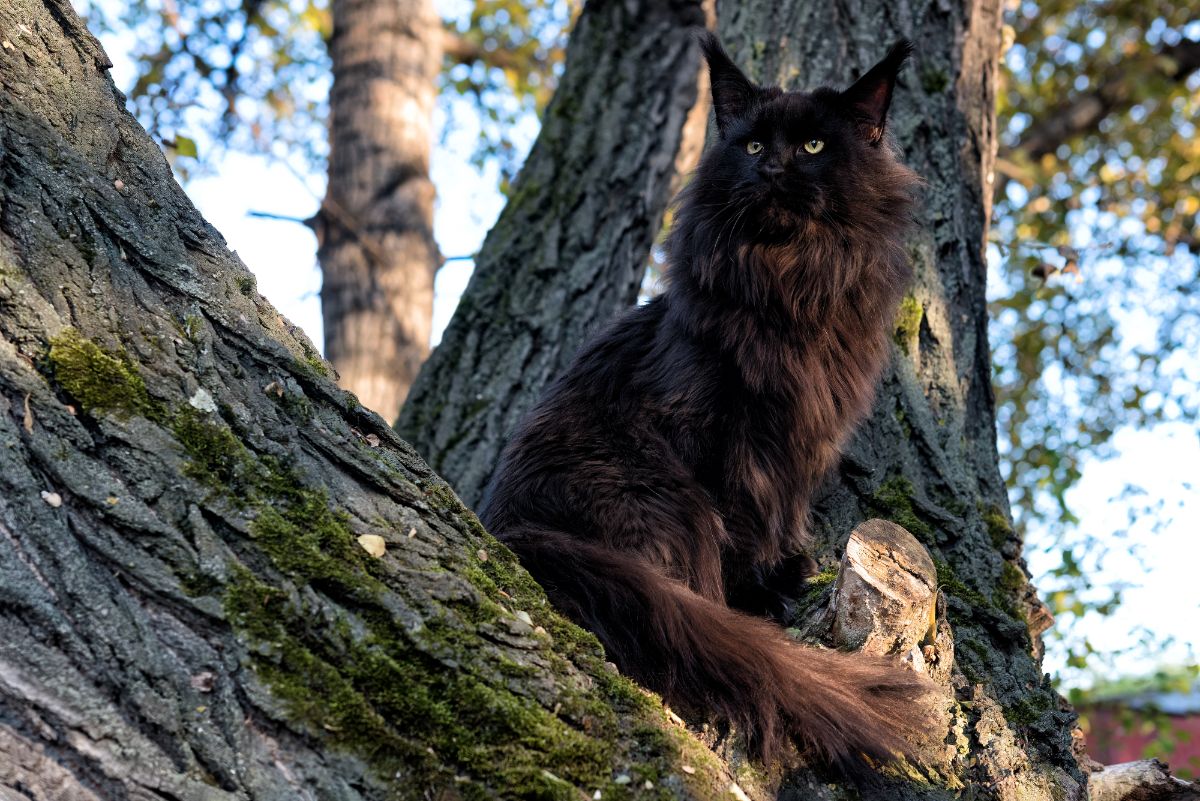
column 676, row 460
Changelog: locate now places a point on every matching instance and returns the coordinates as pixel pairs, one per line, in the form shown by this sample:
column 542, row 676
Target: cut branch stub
column 885, row 597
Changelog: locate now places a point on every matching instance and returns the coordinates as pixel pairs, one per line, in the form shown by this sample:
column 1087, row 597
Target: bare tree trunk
column 375, row 226
column 571, row 246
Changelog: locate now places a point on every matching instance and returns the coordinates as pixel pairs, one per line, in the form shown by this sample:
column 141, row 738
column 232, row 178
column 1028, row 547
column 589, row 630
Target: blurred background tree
column 346, row 87
column 1096, row 316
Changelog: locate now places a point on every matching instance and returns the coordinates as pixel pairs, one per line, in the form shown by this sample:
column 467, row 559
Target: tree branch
column 1148, row 780
column 1177, row 62
column 464, row 51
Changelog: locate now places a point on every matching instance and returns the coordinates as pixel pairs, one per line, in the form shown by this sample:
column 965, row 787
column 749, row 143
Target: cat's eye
column 754, row 148
column 814, row 146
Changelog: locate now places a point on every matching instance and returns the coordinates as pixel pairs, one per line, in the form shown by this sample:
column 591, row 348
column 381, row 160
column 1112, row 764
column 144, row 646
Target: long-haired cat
column 674, row 464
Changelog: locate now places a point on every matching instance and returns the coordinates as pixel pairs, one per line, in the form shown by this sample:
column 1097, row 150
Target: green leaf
column 186, row 147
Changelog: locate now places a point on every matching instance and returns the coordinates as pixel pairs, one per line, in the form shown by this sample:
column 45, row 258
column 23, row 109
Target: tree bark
column 190, row 607
column 375, row 226
column 570, row 248
column 1140, row 781
column 927, row 458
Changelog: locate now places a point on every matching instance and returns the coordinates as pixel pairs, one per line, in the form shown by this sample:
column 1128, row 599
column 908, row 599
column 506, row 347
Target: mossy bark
column 572, row 244
column 186, row 608
column 927, row 458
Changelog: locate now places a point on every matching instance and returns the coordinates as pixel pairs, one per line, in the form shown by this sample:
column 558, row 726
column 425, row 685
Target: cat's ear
column 868, row 99
column 732, row 92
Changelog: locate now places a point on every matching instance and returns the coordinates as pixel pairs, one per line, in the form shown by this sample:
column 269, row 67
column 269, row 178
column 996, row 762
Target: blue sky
column 1160, row 567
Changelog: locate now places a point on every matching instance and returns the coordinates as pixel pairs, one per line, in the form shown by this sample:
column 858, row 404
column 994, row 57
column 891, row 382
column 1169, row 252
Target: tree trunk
column 571, row 246
column 222, row 578
column 375, row 227
column 927, row 458
column 190, row 604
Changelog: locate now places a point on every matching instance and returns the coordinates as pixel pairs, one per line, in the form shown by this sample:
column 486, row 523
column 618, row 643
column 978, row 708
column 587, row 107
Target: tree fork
column 188, row 608
column 571, row 245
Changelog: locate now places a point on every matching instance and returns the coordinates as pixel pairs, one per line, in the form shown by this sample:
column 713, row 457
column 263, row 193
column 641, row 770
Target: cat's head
column 793, row 157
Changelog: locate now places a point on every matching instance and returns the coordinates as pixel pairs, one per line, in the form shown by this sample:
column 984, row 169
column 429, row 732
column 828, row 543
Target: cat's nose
column 771, row 171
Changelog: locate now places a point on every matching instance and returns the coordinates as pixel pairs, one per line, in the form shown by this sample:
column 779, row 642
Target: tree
column 570, row 247
column 928, row 457
column 261, row 67
column 375, row 226
column 1096, row 226
column 224, row 578
column 189, row 508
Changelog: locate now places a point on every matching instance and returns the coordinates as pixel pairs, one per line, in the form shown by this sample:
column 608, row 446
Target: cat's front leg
column 769, row 592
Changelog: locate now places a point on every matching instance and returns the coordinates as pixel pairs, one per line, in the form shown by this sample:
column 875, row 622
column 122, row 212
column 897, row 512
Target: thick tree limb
column 570, row 247
column 1148, row 780
column 187, row 606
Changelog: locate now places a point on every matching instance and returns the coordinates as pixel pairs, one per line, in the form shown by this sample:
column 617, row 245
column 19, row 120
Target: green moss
column 893, row 500
column 195, row 585
column 1028, row 710
column 815, row 588
column 379, row 692
column 415, row 701
column 217, row 458
column 311, row 543
column 1007, row 594
column 297, row 406
column 934, row 81
column 908, row 322
column 99, row 380
column 999, row 529
column 246, row 285
column 192, row 325
column 950, row 583
column 1012, row 578
column 376, row 688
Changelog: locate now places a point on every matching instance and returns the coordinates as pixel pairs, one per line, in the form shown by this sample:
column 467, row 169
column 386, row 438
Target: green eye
column 754, row 148
column 814, row 146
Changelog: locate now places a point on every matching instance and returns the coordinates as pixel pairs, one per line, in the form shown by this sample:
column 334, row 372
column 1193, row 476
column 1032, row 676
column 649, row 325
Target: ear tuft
column 870, row 96
column 733, row 93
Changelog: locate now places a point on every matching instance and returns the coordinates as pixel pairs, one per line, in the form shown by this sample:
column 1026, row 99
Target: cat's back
column 580, row 415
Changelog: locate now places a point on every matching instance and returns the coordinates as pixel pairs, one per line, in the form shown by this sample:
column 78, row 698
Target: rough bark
column 570, row 247
column 188, row 609
column 375, row 226
column 927, row 458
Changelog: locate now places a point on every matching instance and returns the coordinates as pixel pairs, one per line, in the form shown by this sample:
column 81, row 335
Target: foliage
column 245, row 74
column 254, row 75
column 1095, row 308
column 506, row 58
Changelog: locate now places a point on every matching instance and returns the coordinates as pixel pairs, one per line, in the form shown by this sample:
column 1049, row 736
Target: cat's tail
column 700, row 653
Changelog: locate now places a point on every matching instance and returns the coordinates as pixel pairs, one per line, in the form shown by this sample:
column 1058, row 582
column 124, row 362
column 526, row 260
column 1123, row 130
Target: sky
column 1160, row 566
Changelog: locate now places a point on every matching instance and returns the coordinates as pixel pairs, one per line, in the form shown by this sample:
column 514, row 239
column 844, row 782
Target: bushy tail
column 697, row 652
